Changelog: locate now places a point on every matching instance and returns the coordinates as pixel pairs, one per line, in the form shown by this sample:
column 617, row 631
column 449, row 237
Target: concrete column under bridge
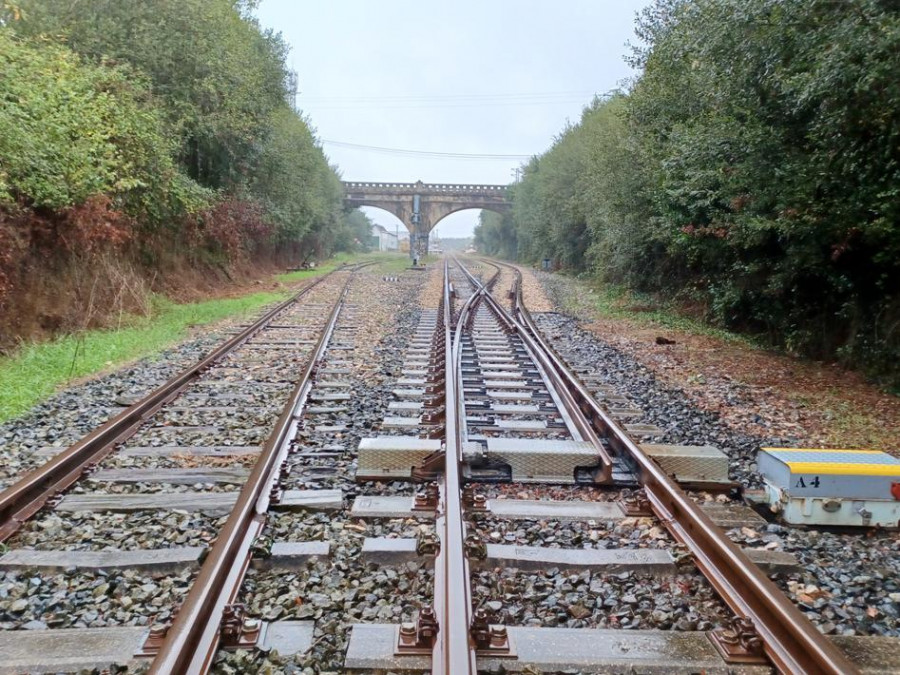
column 421, row 206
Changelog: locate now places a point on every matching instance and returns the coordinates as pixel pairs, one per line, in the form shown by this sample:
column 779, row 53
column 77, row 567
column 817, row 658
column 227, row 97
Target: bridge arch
column 385, row 208
column 420, row 206
column 459, row 209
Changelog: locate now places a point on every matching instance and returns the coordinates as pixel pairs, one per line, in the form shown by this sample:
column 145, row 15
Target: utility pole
column 517, row 172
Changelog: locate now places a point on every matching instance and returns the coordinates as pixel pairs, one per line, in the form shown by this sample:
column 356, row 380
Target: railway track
column 189, row 468
column 514, row 412
column 417, row 547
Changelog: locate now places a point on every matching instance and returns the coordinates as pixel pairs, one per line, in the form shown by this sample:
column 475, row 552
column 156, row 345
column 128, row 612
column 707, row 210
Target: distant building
column 383, row 240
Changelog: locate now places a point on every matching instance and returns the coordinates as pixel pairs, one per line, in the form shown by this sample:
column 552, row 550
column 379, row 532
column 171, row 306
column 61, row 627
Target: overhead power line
column 427, row 153
column 391, row 102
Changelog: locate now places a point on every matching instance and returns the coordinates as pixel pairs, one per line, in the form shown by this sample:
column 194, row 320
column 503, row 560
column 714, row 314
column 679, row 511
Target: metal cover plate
column 542, row 461
column 690, row 463
column 392, row 455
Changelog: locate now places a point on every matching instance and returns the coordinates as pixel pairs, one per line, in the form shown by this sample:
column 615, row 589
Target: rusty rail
column 789, row 639
column 24, row 498
column 454, row 651
column 190, row 644
column 544, row 357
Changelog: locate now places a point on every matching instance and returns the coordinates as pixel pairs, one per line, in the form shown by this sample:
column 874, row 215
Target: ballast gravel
column 554, row 598
column 847, row 583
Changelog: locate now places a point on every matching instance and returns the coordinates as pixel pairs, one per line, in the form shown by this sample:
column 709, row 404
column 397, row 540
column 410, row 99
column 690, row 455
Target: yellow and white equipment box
column 832, row 487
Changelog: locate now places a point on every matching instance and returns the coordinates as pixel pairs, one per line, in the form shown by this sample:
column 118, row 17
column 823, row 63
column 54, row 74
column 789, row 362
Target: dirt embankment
column 49, row 297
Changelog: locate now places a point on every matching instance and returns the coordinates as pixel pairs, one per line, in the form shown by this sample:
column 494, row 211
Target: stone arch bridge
column 421, row 206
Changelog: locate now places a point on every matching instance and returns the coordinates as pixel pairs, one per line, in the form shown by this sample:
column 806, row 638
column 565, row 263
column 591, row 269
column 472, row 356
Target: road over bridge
column 421, row 206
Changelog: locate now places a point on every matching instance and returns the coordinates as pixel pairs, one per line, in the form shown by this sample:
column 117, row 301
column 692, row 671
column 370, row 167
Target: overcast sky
column 488, row 77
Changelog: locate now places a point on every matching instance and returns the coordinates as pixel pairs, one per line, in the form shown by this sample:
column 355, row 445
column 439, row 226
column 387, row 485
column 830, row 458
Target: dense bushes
column 752, row 170
column 153, row 128
column 70, row 131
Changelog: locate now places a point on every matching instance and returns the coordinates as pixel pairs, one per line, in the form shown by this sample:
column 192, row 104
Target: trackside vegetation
column 750, row 173
column 142, row 138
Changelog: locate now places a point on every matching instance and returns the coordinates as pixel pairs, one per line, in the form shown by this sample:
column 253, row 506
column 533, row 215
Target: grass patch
column 323, row 268
column 35, row 371
column 616, row 302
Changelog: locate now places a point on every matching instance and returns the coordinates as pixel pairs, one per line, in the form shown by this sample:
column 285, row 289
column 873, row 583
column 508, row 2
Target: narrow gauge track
column 184, row 449
column 503, row 384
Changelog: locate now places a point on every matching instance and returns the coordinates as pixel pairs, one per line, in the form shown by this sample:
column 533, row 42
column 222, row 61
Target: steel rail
column 790, row 640
column 190, row 644
column 453, row 652
column 24, row 498
column 538, row 350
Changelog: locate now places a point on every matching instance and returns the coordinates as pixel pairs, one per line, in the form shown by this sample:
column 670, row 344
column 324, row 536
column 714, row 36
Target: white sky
column 437, row 76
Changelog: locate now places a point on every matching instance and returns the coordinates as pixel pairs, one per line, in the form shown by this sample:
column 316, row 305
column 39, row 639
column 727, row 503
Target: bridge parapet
column 426, row 189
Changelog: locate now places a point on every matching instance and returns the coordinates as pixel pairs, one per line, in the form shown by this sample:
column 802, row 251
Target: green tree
column 70, row 131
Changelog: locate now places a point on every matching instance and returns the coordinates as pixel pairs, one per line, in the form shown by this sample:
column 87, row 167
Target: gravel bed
column 33, row 601
column 630, row 533
column 847, row 585
column 667, row 408
column 335, row 594
column 341, row 591
column 95, row 531
column 564, row 493
column 551, row 598
column 341, row 529
column 432, row 293
column 533, row 292
column 848, row 582
column 67, row 416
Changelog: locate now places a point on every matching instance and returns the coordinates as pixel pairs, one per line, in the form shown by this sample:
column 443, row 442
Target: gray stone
column 292, row 555
column 400, row 422
column 319, row 500
column 773, row 561
column 554, row 510
column 652, row 652
column 68, row 649
column 728, row 516
column 872, row 655
column 386, row 507
column 612, row 561
column 644, row 430
column 189, row 450
column 387, row 551
column 287, row 637
column 218, row 502
column 236, row 475
column 157, row 560
column 339, row 396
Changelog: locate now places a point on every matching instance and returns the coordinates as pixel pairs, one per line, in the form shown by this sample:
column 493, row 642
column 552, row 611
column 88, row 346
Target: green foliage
column 753, row 171
column 70, row 131
column 355, row 232
column 297, row 207
column 496, row 235
column 173, row 109
column 219, row 76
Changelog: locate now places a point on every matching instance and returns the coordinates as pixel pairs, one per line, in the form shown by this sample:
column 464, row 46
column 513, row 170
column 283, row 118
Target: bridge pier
column 418, row 244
